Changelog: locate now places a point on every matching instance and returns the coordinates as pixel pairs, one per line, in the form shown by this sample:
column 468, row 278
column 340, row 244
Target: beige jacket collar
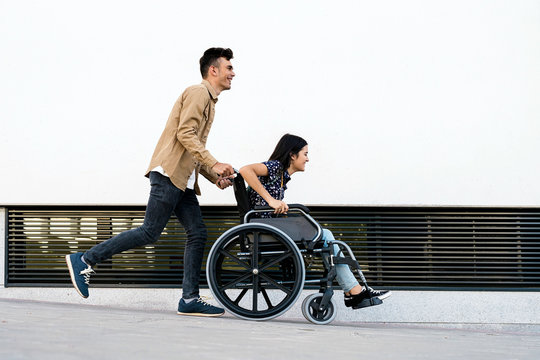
column 210, row 90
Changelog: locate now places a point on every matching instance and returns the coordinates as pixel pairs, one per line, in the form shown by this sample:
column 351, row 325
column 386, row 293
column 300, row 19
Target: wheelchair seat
column 298, row 228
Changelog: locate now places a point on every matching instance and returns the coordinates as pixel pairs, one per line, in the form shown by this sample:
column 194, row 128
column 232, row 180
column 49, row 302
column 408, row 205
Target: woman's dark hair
column 211, row 57
column 287, row 146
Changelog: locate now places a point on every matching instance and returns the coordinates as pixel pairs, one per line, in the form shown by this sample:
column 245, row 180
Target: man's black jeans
column 165, row 199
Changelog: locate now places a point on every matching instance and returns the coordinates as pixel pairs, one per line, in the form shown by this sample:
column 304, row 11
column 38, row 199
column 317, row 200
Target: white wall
column 402, row 102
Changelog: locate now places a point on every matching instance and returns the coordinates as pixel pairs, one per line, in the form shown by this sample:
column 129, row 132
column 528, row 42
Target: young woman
column 267, row 184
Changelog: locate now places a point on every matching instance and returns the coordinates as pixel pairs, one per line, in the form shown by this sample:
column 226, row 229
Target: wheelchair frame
column 257, row 271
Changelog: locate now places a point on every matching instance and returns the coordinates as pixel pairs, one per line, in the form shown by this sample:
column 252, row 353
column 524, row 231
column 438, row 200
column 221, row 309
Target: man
column 177, row 160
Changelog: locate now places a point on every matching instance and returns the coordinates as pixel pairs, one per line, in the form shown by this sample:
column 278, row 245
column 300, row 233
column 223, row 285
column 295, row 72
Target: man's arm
column 191, row 115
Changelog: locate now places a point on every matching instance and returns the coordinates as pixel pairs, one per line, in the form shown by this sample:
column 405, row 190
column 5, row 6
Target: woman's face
column 298, row 161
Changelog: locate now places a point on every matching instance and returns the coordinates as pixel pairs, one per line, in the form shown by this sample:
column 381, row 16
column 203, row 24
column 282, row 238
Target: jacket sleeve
column 190, row 121
column 209, row 174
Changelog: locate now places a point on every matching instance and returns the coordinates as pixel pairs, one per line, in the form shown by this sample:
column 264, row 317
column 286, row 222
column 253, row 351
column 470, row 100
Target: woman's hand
column 279, row 207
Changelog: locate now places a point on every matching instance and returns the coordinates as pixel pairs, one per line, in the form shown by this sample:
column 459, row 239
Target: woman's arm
column 250, row 173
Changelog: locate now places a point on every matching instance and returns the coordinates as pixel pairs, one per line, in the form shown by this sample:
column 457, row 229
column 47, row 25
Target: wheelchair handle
column 231, row 178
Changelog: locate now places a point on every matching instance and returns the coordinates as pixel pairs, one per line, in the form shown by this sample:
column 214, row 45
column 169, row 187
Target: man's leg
column 189, row 214
column 164, row 197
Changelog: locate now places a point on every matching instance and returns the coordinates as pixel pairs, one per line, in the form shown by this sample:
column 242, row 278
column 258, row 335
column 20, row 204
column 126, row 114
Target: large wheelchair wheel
column 310, row 310
column 255, row 271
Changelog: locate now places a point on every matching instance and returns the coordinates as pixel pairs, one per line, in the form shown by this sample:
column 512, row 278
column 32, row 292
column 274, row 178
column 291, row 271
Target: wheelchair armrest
column 259, row 207
column 291, row 206
column 299, row 206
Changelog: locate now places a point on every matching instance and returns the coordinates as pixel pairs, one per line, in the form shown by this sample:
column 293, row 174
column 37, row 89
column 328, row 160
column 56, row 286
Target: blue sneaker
column 79, row 272
column 198, row 307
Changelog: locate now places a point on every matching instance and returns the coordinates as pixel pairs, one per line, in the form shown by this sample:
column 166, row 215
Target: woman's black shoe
column 368, row 297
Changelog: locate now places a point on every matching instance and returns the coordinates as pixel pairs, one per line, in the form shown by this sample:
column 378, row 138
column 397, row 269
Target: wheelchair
column 257, row 270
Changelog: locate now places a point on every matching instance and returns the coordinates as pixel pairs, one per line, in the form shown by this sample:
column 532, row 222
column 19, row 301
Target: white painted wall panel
column 402, row 102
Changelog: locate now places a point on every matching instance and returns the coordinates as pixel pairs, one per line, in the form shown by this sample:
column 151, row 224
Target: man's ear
column 213, row 70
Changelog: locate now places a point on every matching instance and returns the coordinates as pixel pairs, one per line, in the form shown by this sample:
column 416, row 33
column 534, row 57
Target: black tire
column 255, row 271
column 310, row 310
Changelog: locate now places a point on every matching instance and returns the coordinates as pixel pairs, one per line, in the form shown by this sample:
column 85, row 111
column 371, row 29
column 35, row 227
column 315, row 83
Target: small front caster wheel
column 310, row 310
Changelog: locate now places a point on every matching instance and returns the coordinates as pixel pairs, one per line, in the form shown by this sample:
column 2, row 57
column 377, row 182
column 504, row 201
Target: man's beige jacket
column 181, row 147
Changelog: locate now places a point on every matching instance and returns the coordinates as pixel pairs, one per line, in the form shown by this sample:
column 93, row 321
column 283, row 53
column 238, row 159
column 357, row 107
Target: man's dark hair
column 211, row 56
column 287, row 146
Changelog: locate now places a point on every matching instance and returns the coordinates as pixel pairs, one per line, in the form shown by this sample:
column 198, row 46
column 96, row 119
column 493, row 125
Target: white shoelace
column 86, row 273
column 203, row 299
column 373, row 291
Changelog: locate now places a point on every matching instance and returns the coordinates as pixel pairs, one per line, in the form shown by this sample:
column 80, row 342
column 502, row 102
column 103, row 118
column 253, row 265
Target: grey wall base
column 446, row 307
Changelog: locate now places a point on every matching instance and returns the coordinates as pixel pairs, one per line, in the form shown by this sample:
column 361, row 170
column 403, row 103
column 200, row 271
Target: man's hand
column 223, row 169
column 224, row 183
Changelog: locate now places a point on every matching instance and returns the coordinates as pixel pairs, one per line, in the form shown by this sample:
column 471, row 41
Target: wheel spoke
column 255, row 251
column 240, row 296
column 276, row 260
column 234, row 258
column 314, row 307
column 279, row 286
column 255, row 291
column 255, row 265
column 267, row 299
column 235, row 281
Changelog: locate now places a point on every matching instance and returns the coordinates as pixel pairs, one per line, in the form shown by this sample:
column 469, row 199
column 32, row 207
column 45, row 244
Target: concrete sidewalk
column 41, row 330
column 448, row 307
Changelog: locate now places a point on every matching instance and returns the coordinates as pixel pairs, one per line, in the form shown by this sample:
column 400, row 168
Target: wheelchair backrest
column 241, row 195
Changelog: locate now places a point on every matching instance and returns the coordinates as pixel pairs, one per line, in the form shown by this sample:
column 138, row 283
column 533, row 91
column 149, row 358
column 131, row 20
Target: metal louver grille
column 443, row 247
column 39, row 239
column 408, row 248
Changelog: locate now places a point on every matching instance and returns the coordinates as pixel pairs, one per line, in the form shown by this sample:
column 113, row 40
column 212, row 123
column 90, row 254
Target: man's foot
column 79, row 272
column 368, row 297
column 198, row 307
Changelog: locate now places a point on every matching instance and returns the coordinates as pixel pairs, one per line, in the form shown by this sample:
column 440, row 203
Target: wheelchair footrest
column 367, row 303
